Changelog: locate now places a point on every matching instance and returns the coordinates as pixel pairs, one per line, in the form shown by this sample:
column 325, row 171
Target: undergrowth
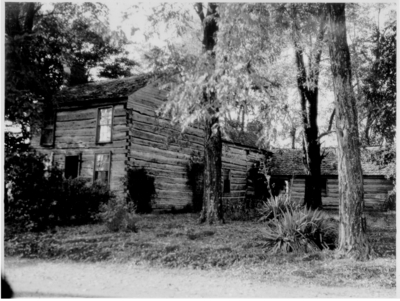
column 178, row 241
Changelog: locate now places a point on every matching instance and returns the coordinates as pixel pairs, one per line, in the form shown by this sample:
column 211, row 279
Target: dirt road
column 33, row 278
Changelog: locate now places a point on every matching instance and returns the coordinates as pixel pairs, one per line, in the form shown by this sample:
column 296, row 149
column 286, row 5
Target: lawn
column 176, row 241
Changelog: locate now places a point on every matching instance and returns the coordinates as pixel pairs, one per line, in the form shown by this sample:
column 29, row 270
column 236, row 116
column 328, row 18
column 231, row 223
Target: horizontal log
column 174, row 194
column 65, row 132
column 146, row 164
column 144, row 119
column 167, row 131
column 90, row 114
column 114, row 146
column 80, row 124
column 160, row 152
column 119, row 121
column 157, row 158
column 86, row 151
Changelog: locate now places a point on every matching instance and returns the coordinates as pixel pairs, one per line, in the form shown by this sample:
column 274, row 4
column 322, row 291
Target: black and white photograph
column 199, row 149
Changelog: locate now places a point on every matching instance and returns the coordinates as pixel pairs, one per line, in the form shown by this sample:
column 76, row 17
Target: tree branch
column 198, row 7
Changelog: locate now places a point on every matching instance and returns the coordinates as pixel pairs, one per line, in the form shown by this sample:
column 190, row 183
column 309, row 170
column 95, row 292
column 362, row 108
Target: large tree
column 352, row 226
column 41, row 44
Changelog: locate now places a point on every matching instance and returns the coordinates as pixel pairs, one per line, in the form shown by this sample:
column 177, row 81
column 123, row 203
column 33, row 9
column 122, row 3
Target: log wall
column 160, row 148
column 75, row 133
column 376, row 189
column 164, row 152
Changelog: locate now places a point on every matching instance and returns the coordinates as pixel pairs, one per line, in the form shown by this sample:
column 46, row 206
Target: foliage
column 275, row 206
column 31, row 198
column 80, row 201
column 120, row 67
column 118, row 215
column 195, row 170
column 300, row 230
column 39, row 199
column 380, row 86
column 141, row 190
column 42, row 47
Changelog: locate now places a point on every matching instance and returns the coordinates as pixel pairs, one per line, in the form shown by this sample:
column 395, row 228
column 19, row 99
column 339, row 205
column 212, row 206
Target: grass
column 177, row 241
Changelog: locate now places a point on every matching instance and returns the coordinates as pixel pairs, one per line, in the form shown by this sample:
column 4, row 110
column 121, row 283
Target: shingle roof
column 115, row 88
column 290, row 162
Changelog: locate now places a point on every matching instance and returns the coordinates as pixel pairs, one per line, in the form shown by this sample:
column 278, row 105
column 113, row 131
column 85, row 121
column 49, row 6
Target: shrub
column 300, row 230
column 141, row 190
column 80, row 201
column 37, row 199
column 31, row 196
column 118, row 215
column 275, row 206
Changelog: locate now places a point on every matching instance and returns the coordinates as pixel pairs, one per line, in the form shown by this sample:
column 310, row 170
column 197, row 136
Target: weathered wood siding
column 238, row 159
column 75, row 133
column 375, row 191
column 160, row 148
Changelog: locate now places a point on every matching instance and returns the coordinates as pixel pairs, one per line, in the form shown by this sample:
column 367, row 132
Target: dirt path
column 33, row 278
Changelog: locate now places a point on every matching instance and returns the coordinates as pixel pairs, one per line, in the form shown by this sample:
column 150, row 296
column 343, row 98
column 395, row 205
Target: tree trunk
column 307, row 84
column 352, row 228
column 212, row 199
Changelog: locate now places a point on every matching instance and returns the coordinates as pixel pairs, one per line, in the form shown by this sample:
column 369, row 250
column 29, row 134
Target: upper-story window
column 48, row 129
column 104, row 125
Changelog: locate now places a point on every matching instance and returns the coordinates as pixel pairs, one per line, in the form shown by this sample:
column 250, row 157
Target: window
column 48, row 129
column 227, row 181
column 104, row 125
column 72, row 166
column 102, row 167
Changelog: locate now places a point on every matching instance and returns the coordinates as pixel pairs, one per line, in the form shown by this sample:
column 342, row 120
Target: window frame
column 79, row 155
column 98, row 125
column 49, row 123
column 109, row 165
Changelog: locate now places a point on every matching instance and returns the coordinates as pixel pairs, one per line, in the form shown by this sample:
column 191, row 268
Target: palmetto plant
column 300, row 230
column 275, row 206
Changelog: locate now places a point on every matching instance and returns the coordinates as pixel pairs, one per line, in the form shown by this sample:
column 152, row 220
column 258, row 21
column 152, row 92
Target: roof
column 290, row 162
column 101, row 90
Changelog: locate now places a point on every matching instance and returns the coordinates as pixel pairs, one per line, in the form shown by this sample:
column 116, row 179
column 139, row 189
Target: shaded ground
column 177, row 244
column 34, row 278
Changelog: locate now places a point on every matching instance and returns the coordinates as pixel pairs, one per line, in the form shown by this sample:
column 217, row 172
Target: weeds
column 163, row 240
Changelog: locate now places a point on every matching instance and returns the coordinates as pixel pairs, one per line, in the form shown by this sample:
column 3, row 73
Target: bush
column 31, row 195
column 141, row 190
column 37, row 199
column 275, row 206
column 300, row 230
column 118, row 215
column 80, row 201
